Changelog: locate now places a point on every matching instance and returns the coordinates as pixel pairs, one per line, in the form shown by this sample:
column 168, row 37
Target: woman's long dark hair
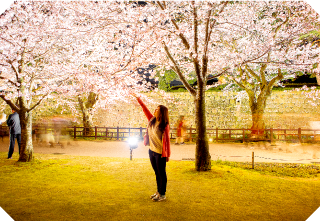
column 163, row 118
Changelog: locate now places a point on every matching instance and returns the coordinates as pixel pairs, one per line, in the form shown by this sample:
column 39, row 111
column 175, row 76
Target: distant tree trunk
column 86, row 109
column 258, row 94
column 257, row 112
column 318, row 78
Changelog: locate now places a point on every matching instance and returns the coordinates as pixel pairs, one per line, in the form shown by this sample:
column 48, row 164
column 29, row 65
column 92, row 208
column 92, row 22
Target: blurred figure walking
column 181, row 130
column 15, row 131
column 2, row 118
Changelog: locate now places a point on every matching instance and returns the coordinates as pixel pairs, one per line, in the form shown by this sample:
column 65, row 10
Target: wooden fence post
column 74, row 132
column 106, row 132
column 252, row 160
column 95, row 132
column 190, row 134
column 271, row 135
column 216, row 134
column 299, row 135
column 285, row 134
column 117, row 132
column 243, row 136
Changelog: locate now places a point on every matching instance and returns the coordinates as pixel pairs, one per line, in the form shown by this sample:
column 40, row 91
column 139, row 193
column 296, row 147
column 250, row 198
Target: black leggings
column 159, row 166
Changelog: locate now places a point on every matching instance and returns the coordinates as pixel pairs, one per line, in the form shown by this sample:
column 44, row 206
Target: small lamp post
column 133, row 144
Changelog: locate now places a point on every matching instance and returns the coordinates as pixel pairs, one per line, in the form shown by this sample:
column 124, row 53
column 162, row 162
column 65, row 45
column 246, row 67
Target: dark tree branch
column 278, row 77
column 253, row 73
column 178, row 71
column 13, row 83
column 218, row 75
column 10, row 103
column 34, row 106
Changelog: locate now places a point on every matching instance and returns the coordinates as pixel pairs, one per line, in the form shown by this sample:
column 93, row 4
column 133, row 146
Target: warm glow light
column 133, row 141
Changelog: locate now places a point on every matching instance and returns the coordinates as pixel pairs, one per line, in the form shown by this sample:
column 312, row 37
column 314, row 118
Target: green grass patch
column 61, row 187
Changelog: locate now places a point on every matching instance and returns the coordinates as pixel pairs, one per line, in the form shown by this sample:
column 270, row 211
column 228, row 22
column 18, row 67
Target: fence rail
column 214, row 134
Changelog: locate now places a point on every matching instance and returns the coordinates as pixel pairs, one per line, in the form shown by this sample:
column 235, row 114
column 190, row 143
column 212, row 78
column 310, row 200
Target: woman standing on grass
column 159, row 152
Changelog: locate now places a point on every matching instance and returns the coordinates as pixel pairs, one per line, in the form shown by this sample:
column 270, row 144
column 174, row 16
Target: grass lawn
column 60, row 187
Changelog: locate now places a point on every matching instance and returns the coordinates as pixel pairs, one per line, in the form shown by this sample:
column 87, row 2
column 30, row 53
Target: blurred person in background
column 181, row 130
column 2, row 118
column 13, row 123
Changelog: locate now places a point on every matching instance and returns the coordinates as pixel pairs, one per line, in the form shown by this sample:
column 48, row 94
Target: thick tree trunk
column 203, row 157
column 86, row 108
column 258, row 125
column 26, row 150
column 257, row 112
column 87, row 123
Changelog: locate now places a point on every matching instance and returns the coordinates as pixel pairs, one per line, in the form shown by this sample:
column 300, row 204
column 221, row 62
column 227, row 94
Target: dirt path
column 281, row 152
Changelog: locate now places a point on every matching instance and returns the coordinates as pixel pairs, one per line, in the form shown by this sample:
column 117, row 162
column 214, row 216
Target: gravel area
column 263, row 152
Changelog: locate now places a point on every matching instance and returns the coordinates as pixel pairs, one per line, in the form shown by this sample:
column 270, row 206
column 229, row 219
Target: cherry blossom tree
column 48, row 46
column 44, row 45
column 238, row 38
column 184, row 41
column 30, row 40
column 268, row 48
column 92, row 91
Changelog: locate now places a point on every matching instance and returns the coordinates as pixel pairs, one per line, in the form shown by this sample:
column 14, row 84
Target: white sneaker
column 159, row 198
column 154, row 195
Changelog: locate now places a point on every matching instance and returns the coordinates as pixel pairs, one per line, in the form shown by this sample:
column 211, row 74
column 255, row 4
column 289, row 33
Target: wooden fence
column 219, row 135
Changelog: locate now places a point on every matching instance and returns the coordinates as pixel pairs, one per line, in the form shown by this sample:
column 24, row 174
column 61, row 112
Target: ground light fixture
column 133, row 144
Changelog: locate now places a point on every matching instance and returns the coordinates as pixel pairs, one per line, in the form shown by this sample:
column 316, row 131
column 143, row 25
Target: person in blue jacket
column 13, row 123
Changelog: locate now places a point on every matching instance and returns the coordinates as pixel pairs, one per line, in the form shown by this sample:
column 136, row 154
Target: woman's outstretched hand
column 134, row 94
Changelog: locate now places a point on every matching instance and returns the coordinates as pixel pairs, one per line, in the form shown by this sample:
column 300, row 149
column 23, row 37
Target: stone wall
column 224, row 110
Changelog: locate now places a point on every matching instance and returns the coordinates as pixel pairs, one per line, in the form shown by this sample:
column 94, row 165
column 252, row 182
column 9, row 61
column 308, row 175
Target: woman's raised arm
column 144, row 107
